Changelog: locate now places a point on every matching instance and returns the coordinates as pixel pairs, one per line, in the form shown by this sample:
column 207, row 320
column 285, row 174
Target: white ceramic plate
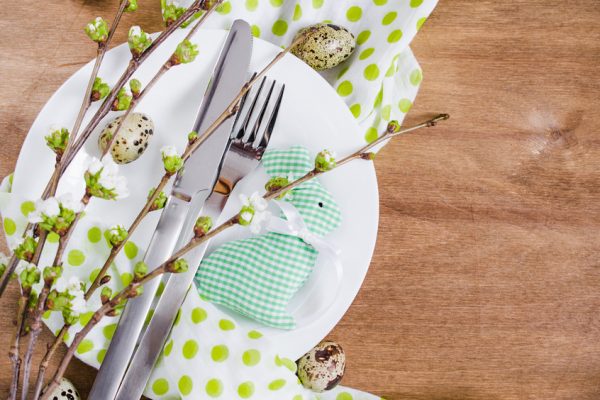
column 311, row 115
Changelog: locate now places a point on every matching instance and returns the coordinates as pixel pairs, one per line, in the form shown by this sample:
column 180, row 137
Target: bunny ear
column 295, row 161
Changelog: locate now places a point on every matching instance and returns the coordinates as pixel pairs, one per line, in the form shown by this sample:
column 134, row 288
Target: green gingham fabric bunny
column 257, row 277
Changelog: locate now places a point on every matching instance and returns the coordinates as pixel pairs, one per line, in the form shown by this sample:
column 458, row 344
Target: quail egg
column 323, row 367
column 324, row 46
column 65, row 391
column 132, row 140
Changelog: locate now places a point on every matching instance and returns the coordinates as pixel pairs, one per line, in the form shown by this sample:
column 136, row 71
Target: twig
column 14, row 349
column 46, row 361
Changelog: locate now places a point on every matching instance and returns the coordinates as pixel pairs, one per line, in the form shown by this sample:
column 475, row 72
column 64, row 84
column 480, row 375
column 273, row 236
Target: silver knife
column 196, row 182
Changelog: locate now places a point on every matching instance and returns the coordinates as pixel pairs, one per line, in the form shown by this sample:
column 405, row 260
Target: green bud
column 57, row 301
column 29, row 276
column 136, row 87
column 185, row 53
column 325, row 161
column 246, row 215
column 178, row 266
column 70, row 317
column 276, row 183
column 32, row 302
column 192, row 137
column 51, row 274
column 2, row 269
column 203, row 226
column 57, row 140
column 368, row 156
column 97, row 30
column 105, row 294
column 208, row 4
column 192, row 19
column 393, row 127
column 131, row 6
column 100, row 90
column 171, row 160
column 115, row 312
column 138, row 41
column 123, row 101
column 159, row 202
column 140, row 270
column 26, row 249
column 116, row 235
column 171, row 12
column 138, row 291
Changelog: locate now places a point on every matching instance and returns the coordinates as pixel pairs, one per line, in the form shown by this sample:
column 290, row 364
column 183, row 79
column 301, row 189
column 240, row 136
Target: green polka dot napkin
column 380, row 81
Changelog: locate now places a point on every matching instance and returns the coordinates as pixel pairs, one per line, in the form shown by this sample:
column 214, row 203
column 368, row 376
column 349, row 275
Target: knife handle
column 170, row 302
column 132, row 320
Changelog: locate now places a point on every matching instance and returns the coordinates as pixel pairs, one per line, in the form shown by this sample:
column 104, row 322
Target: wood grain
column 486, row 275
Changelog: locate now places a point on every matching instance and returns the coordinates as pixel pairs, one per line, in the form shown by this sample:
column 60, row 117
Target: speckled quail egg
column 323, row 367
column 65, row 391
column 132, row 140
column 324, row 46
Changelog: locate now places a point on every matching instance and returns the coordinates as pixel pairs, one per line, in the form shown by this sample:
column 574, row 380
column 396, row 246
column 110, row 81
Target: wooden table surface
column 486, row 277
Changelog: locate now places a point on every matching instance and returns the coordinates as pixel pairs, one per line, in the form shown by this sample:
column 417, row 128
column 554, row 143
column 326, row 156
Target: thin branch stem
column 39, row 384
column 14, row 349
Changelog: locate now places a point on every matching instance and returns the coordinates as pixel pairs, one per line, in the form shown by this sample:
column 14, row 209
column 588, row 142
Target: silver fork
column 250, row 137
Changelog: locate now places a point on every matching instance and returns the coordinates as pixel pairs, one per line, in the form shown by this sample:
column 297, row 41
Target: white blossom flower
column 135, row 31
column 78, row 303
column 169, row 151
column 69, row 202
column 23, row 265
column 172, row 161
column 107, row 182
column 44, row 208
column 254, row 212
column 69, row 285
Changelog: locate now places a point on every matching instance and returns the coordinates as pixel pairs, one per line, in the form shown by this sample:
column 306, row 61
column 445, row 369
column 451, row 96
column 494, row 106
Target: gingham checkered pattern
column 257, row 277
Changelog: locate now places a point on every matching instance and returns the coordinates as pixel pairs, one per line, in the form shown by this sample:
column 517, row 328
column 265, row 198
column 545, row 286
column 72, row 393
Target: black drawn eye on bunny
column 321, row 204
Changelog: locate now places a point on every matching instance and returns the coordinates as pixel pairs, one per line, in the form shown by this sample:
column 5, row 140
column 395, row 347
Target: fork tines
column 257, row 116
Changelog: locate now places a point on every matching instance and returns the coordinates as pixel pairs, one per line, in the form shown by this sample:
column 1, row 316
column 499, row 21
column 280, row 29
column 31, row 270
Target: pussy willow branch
column 163, row 70
column 197, row 241
column 14, row 349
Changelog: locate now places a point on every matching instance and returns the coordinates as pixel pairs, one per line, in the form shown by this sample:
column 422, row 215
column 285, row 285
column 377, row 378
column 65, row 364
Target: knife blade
column 196, row 182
